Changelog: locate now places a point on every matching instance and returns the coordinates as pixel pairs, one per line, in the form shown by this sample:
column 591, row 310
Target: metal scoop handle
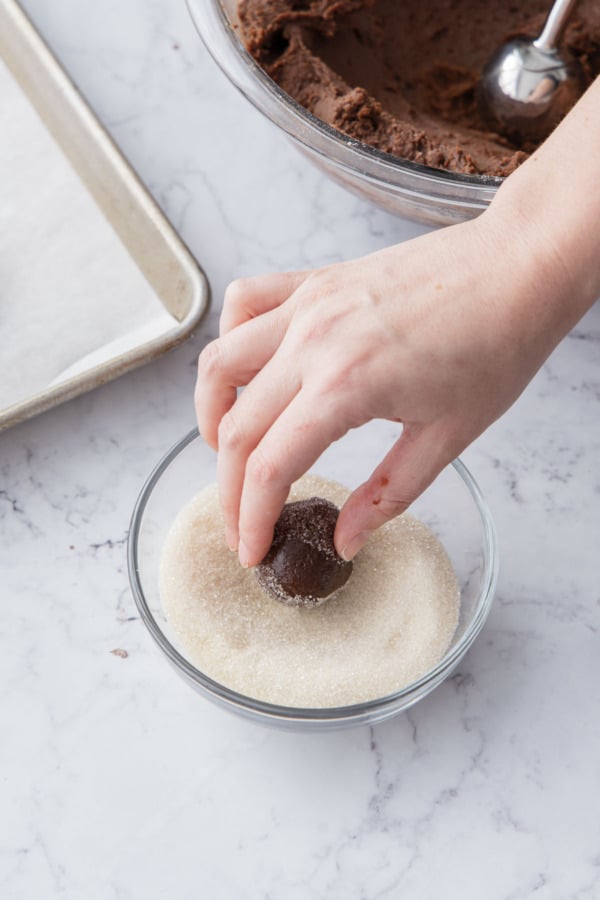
column 554, row 25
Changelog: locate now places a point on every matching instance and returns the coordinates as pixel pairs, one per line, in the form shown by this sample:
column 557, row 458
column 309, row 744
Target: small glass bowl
column 452, row 507
column 424, row 194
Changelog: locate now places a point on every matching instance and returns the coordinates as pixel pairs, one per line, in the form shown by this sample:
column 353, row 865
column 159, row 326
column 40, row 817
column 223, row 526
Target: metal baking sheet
column 168, row 266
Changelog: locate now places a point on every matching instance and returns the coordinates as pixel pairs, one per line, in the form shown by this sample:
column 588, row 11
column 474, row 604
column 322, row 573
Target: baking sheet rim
column 189, row 268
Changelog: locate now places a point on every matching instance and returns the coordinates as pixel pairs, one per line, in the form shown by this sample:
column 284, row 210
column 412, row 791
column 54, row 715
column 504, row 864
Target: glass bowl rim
column 309, row 714
column 480, row 189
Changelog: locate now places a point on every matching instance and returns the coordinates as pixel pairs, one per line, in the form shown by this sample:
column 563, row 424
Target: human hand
column 440, row 334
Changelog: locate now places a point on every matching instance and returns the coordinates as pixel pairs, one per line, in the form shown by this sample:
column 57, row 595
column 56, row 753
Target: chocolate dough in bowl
column 382, row 94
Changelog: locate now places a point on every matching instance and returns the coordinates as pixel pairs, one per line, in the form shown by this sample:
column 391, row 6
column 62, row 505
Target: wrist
column 554, row 202
column 552, row 281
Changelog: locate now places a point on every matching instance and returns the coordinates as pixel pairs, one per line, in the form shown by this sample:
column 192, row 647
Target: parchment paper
column 70, row 294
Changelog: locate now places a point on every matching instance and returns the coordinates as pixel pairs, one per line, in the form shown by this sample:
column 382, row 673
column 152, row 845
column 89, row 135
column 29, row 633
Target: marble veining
column 118, row 782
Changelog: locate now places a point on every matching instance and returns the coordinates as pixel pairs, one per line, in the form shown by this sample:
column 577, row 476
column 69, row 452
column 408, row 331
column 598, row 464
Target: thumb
column 416, row 458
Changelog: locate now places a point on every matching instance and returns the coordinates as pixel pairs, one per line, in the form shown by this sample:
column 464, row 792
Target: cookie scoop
column 530, row 85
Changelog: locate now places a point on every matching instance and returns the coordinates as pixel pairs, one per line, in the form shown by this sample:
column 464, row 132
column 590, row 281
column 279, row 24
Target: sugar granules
column 390, row 623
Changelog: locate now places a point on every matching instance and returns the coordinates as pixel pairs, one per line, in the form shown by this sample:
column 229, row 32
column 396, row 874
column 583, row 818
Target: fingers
column 242, row 429
column 247, row 298
column 410, row 466
column 291, row 445
column 253, row 325
column 231, row 362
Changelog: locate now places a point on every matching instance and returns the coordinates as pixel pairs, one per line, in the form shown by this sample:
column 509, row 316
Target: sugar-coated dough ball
column 302, row 567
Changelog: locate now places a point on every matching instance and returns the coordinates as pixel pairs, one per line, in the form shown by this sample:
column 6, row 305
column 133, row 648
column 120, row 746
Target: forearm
column 552, row 205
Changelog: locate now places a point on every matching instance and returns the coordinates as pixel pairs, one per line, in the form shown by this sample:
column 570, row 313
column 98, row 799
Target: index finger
column 231, row 362
column 290, row 447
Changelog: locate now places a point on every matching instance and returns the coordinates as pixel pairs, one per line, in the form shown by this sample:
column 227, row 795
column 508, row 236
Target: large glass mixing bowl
column 427, row 195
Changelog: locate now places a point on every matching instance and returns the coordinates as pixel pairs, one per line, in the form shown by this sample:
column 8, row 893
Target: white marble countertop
column 117, row 781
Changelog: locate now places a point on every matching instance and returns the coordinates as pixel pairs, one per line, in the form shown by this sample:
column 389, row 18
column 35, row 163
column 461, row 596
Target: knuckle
column 314, row 325
column 262, row 469
column 337, row 378
column 320, row 310
column 235, row 289
column 380, row 501
column 322, row 279
column 343, row 387
column 317, row 292
column 236, row 293
column 230, row 433
column 390, row 507
column 210, row 361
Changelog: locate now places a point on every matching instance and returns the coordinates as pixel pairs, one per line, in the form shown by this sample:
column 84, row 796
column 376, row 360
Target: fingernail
column 231, row 538
column 244, row 555
column 355, row 544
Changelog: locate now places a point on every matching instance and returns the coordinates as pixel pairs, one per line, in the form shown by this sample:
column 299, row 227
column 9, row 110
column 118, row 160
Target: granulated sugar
column 390, row 623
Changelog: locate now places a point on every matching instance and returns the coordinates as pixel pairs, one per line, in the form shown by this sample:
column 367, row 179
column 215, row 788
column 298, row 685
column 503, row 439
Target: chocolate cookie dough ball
column 302, row 567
